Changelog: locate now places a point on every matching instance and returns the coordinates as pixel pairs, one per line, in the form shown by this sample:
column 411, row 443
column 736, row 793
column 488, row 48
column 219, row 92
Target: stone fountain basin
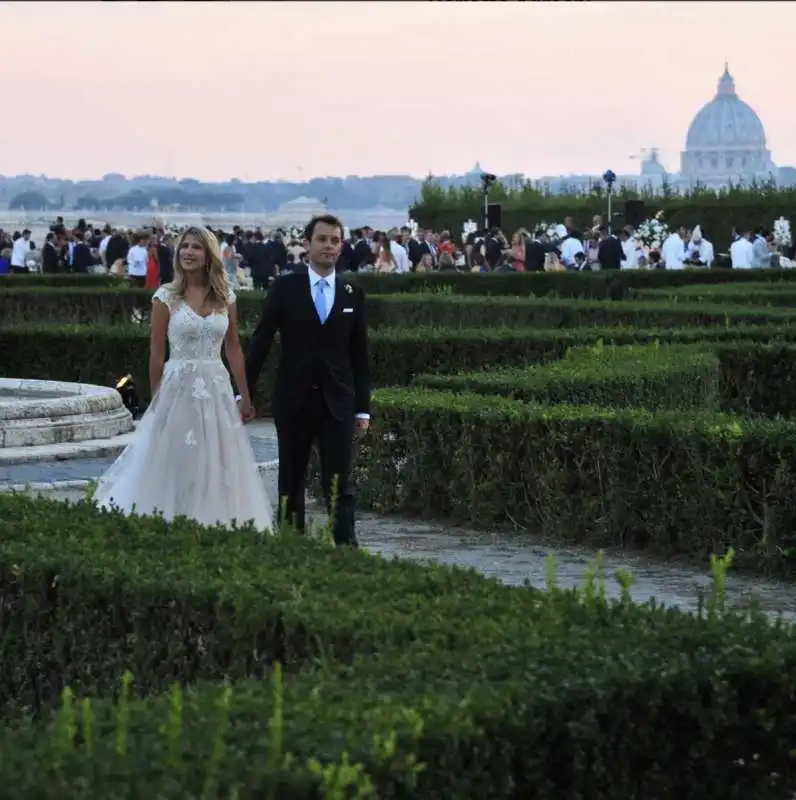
column 51, row 412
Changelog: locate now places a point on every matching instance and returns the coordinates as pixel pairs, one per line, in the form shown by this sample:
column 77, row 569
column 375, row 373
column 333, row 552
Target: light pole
column 610, row 179
column 487, row 179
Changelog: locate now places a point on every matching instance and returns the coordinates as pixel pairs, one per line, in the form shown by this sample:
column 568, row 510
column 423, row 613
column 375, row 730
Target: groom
column 322, row 391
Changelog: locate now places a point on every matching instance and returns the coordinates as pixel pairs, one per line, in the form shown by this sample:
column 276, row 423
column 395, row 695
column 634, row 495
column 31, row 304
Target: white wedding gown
column 190, row 454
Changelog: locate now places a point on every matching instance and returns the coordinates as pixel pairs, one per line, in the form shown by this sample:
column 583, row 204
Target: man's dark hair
column 603, row 229
column 322, row 219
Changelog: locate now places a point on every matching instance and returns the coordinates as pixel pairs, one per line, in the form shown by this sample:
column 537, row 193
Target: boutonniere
column 349, row 288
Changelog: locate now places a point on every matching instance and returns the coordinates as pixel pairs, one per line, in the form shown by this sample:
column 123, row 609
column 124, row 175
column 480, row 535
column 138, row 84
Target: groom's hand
column 361, row 427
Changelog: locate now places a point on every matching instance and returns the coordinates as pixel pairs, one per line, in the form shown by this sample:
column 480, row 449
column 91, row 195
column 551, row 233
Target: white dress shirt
column 20, row 251
column 401, row 258
column 673, row 252
column 328, row 295
column 632, row 252
column 741, row 253
column 137, row 259
column 569, row 249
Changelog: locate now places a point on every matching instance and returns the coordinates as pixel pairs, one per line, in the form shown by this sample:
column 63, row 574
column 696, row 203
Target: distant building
column 299, row 211
column 726, row 142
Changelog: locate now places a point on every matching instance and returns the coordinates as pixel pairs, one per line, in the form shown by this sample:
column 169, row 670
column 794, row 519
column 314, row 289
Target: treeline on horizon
column 433, row 196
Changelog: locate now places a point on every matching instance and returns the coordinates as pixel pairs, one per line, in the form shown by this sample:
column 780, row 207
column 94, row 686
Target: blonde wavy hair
column 215, row 274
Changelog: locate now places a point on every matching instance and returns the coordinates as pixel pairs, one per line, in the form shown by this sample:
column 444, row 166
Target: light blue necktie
column 320, row 300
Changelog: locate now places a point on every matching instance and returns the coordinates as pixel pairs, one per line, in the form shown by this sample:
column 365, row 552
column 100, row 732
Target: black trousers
column 295, row 436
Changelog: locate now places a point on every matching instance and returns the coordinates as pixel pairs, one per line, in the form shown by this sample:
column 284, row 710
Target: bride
column 190, row 455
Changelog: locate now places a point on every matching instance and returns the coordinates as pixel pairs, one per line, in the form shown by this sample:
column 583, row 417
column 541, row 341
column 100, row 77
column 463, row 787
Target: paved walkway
column 511, row 558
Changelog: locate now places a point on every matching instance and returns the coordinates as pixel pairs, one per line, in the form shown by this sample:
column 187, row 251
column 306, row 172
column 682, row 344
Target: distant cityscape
column 725, row 143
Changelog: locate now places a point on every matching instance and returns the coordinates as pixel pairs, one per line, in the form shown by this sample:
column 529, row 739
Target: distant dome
column 475, row 172
column 726, row 121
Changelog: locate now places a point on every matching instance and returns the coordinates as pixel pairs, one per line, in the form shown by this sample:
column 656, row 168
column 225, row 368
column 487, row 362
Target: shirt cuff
column 363, row 416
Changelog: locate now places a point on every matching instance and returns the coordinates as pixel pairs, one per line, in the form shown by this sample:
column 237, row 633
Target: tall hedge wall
column 717, row 213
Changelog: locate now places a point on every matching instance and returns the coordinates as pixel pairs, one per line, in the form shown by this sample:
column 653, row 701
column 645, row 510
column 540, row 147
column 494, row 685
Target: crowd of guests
column 146, row 256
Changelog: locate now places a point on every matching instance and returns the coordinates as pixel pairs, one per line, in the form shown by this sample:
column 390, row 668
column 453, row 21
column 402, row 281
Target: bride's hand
column 246, row 410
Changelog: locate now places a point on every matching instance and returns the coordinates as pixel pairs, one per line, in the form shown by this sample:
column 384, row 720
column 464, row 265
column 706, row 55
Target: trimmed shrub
column 91, row 594
column 128, row 306
column 652, row 377
column 613, row 284
column 758, row 378
column 757, row 294
column 55, row 279
column 100, row 355
column 694, row 483
column 427, row 683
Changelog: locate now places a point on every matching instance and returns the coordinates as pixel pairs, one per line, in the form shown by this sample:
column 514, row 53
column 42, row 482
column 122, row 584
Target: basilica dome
column 726, row 121
column 726, row 141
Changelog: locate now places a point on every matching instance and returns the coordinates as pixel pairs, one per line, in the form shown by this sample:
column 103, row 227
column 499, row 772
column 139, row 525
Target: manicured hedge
column 416, row 682
column 113, row 307
column 57, row 279
column 758, row 378
column 614, row 284
column 139, row 594
column 99, row 355
column 757, row 294
column 693, row 482
column 647, row 376
column 741, row 377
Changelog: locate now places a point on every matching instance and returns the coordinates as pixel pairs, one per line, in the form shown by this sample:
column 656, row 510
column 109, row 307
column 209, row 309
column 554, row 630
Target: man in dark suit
column 49, row 255
column 263, row 267
column 535, row 253
column 277, row 252
column 362, row 254
column 419, row 247
column 609, row 252
column 322, row 391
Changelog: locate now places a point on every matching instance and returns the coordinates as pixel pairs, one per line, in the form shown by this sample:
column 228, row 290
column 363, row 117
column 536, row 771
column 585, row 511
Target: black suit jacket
column 50, row 259
column 417, row 250
column 332, row 357
column 277, row 253
column 261, row 261
column 610, row 253
column 535, row 253
column 362, row 255
column 82, row 258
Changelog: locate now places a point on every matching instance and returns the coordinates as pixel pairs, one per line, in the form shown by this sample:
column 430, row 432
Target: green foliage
column 59, row 279
column 696, row 482
column 756, row 294
column 412, row 310
column 399, row 680
column 99, row 355
column 523, row 207
column 652, row 377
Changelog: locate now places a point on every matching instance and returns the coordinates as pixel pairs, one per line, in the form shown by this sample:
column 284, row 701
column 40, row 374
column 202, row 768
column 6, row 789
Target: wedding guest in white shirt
column 741, row 251
column 137, row 259
column 20, row 252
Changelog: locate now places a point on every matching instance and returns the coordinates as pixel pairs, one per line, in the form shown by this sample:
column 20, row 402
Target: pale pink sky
column 263, row 90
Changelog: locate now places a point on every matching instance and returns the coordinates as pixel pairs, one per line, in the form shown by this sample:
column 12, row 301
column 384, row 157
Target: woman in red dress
column 152, row 268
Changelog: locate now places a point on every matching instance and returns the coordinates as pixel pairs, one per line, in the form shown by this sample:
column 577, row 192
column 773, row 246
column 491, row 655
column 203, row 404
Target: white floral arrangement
column 471, row 226
column 294, row 233
column 652, row 233
column 782, row 235
column 548, row 228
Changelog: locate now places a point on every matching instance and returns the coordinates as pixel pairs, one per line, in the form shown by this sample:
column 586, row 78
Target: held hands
column 246, row 409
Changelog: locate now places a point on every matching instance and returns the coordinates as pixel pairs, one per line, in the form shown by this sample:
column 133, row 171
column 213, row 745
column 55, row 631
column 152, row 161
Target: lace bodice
column 192, row 337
